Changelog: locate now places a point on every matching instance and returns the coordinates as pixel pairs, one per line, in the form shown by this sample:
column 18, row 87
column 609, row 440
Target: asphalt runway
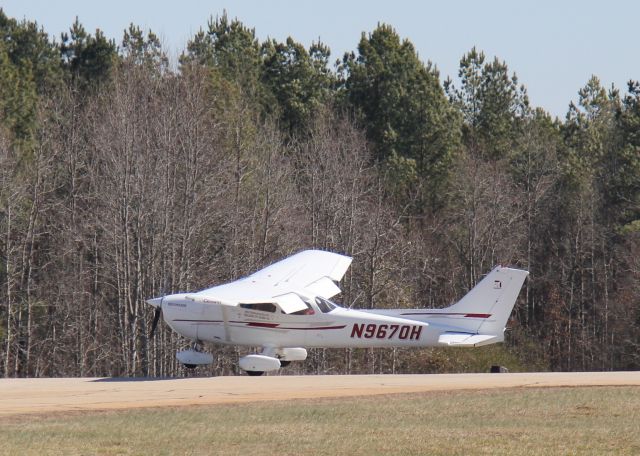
column 47, row 395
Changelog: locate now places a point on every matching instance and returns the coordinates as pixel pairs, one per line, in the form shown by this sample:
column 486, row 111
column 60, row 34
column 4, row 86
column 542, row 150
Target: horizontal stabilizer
column 466, row 340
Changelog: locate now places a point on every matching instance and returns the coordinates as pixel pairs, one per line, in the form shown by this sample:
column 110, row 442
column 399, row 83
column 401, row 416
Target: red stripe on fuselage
column 258, row 324
column 277, row 326
column 448, row 314
column 200, row 321
column 318, row 328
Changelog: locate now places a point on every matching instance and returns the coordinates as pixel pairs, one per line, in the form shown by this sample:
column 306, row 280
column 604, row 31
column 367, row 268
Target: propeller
column 157, row 303
column 154, row 325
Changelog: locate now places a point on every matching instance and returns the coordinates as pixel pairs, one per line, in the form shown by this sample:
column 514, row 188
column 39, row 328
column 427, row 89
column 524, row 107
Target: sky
column 554, row 47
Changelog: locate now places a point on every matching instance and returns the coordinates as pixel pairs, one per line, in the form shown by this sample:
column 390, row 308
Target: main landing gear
column 271, row 359
column 194, row 356
column 197, row 348
column 251, row 373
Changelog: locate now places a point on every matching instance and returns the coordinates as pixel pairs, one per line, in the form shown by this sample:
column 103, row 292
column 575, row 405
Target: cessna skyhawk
column 285, row 308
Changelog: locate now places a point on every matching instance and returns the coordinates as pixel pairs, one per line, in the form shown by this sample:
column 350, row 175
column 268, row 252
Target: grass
column 514, row 422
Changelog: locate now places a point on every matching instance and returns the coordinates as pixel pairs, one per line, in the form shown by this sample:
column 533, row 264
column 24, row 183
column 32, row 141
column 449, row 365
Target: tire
column 254, row 373
column 284, row 363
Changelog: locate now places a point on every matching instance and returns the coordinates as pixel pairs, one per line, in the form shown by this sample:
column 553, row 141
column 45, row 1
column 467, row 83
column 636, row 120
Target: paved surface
column 41, row 396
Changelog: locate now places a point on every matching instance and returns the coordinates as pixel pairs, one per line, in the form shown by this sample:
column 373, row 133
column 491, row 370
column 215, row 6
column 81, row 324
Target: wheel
column 284, row 363
column 254, row 373
column 190, row 366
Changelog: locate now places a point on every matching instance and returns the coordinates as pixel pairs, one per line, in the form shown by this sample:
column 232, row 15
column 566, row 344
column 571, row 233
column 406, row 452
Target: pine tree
column 298, row 79
column 492, row 104
column 87, row 59
column 403, row 108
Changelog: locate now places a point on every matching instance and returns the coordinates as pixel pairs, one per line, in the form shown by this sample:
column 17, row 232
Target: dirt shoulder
column 47, row 395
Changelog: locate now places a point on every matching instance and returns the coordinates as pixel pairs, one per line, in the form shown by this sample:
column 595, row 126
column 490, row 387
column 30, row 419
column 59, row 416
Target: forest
column 125, row 175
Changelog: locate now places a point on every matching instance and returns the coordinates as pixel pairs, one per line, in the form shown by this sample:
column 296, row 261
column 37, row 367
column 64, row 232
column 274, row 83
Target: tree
column 145, row 52
column 403, row 106
column 18, row 98
column 230, row 47
column 491, row 102
column 29, row 47
column 299, row 80
column 29, row 68
column 624, row 166
column 536, row 171
column 87, row 59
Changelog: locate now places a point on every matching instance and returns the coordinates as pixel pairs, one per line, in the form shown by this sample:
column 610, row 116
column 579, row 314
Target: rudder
column 491, row 301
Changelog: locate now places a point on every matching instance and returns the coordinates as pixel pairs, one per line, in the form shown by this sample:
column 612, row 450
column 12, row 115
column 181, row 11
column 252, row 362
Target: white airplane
column 285, row 308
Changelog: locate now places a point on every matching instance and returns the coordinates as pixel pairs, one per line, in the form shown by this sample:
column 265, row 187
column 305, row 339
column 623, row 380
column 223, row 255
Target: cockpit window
column 263, row 306
column 308, row 311
column 324, row 305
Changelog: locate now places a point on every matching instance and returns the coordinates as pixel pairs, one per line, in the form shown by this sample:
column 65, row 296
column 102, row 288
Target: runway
column 43, row 396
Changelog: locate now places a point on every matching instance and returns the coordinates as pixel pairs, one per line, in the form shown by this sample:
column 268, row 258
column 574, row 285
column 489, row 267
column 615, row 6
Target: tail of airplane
column 487, row 306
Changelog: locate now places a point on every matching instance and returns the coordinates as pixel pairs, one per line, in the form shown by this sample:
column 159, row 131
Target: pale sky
column 553, row 46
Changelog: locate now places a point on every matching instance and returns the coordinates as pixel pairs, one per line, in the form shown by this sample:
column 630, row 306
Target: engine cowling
column 259, row 363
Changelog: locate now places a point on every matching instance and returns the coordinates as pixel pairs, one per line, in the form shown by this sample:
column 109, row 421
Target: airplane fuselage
column 338, row 328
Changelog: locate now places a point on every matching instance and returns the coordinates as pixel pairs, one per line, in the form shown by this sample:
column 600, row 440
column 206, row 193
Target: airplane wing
column 313, row 271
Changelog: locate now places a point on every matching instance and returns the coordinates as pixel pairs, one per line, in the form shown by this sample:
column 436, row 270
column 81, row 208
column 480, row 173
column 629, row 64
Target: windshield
column 325, row 305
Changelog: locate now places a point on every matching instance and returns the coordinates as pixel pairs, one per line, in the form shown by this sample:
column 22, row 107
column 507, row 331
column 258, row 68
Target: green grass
column 514, row 422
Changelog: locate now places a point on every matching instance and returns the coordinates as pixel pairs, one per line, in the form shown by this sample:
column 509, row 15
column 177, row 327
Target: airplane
column 286, row 308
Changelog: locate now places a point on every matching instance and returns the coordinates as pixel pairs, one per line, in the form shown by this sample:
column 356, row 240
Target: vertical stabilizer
column 489, row 304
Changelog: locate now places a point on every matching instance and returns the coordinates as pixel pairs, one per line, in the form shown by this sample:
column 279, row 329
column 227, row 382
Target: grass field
column 594, row 420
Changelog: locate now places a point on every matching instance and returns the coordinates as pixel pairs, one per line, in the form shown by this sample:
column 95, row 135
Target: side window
column 264, row 307
column 324, row 305
column 308, row 311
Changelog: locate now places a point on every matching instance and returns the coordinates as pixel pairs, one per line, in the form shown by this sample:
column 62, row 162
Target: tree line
column 124, row 177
